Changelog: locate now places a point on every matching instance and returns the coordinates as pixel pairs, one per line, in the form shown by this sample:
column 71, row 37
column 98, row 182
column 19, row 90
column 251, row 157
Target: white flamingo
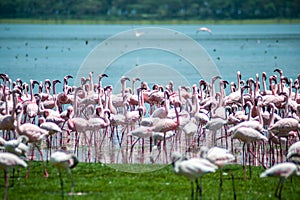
column 294, row 152
column 7, row 121
column 64, row 161
column 282, row 171
column 16, row 146
column 205, row 29
column 7, row 161
column 52, row 129
column 221, row 157
column 193, row 169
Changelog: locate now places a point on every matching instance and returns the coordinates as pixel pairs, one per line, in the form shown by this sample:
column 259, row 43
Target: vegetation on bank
column 141, row 22
column 149, row 10
column 98, row 181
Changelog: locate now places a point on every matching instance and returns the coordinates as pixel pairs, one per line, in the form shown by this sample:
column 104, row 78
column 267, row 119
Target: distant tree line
column 150, row 9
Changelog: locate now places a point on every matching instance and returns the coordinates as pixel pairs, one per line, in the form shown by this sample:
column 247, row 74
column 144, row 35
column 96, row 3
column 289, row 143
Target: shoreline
column 141, row 22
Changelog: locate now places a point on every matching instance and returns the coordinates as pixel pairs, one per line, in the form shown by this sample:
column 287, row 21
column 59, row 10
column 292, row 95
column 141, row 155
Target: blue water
column 53, row 51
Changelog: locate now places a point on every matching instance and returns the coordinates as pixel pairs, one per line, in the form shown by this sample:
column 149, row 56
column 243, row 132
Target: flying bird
column 205, row 29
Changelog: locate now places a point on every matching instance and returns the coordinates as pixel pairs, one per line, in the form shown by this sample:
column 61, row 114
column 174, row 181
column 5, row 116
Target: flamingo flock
column 256, row 122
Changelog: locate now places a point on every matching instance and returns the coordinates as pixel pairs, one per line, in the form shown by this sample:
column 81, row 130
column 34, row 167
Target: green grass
column 97, row 181
column 102, row 21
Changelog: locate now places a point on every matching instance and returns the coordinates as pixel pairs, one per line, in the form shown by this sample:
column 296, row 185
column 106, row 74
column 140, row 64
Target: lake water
column 53, row 51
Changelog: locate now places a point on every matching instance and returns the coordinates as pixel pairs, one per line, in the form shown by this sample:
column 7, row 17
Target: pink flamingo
column 31, row 106
column 35, row 135
column 7, row 121
column 248, row 135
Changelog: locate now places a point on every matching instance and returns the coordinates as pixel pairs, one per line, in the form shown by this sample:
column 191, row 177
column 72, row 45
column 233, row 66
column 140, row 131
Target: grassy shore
column 97, row 181
column 100, row 21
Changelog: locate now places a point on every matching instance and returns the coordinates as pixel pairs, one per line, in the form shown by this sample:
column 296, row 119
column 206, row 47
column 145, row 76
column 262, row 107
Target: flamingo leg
column 76, row 136
column 226, row 136
column 72, row 181
column 50, row 146
column 31, row 159
column 13, row 178
column 76, row 143
column 277, row 188
column 134, row 144
column 150, row 144
column 200, row 188
column 41, row 153
column 197, row 188
column 61, row 184
column 104, row 134
column 221, row 183
column 249, row 160
column 281, row 152
column 233, row 186
column 165, row 148
column 192, row 190
column 143, row 143
column 6, row 185
column 244, row 158
column 95, row 146
column 280, row 189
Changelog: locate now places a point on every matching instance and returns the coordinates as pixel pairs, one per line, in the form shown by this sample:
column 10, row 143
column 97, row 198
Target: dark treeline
column 150, row 9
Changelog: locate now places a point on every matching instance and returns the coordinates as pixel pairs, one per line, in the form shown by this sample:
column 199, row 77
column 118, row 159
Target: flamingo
column 133, row 98
column 77, row 124
column 235, row 96
column 220, row 157
column 141, row 133
column 62, row 160
column 190, row 129
column 52, row 129
column 5, row 91
column 204, row 29
column 162, row 112
column 215, row 124
column 166, row 124
column 193, row 169
column 282, row 171
column 137, row 33
column 9, row 160
column 7, row 121
column 96, row 124
column 248, row 135
column 284, row 126
column 63, row 98
column 118, row 100
column 17, row 146
column 160, row 136
column 34, row 133
column 31, row 106
column 100, row 89
column 294, row 152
